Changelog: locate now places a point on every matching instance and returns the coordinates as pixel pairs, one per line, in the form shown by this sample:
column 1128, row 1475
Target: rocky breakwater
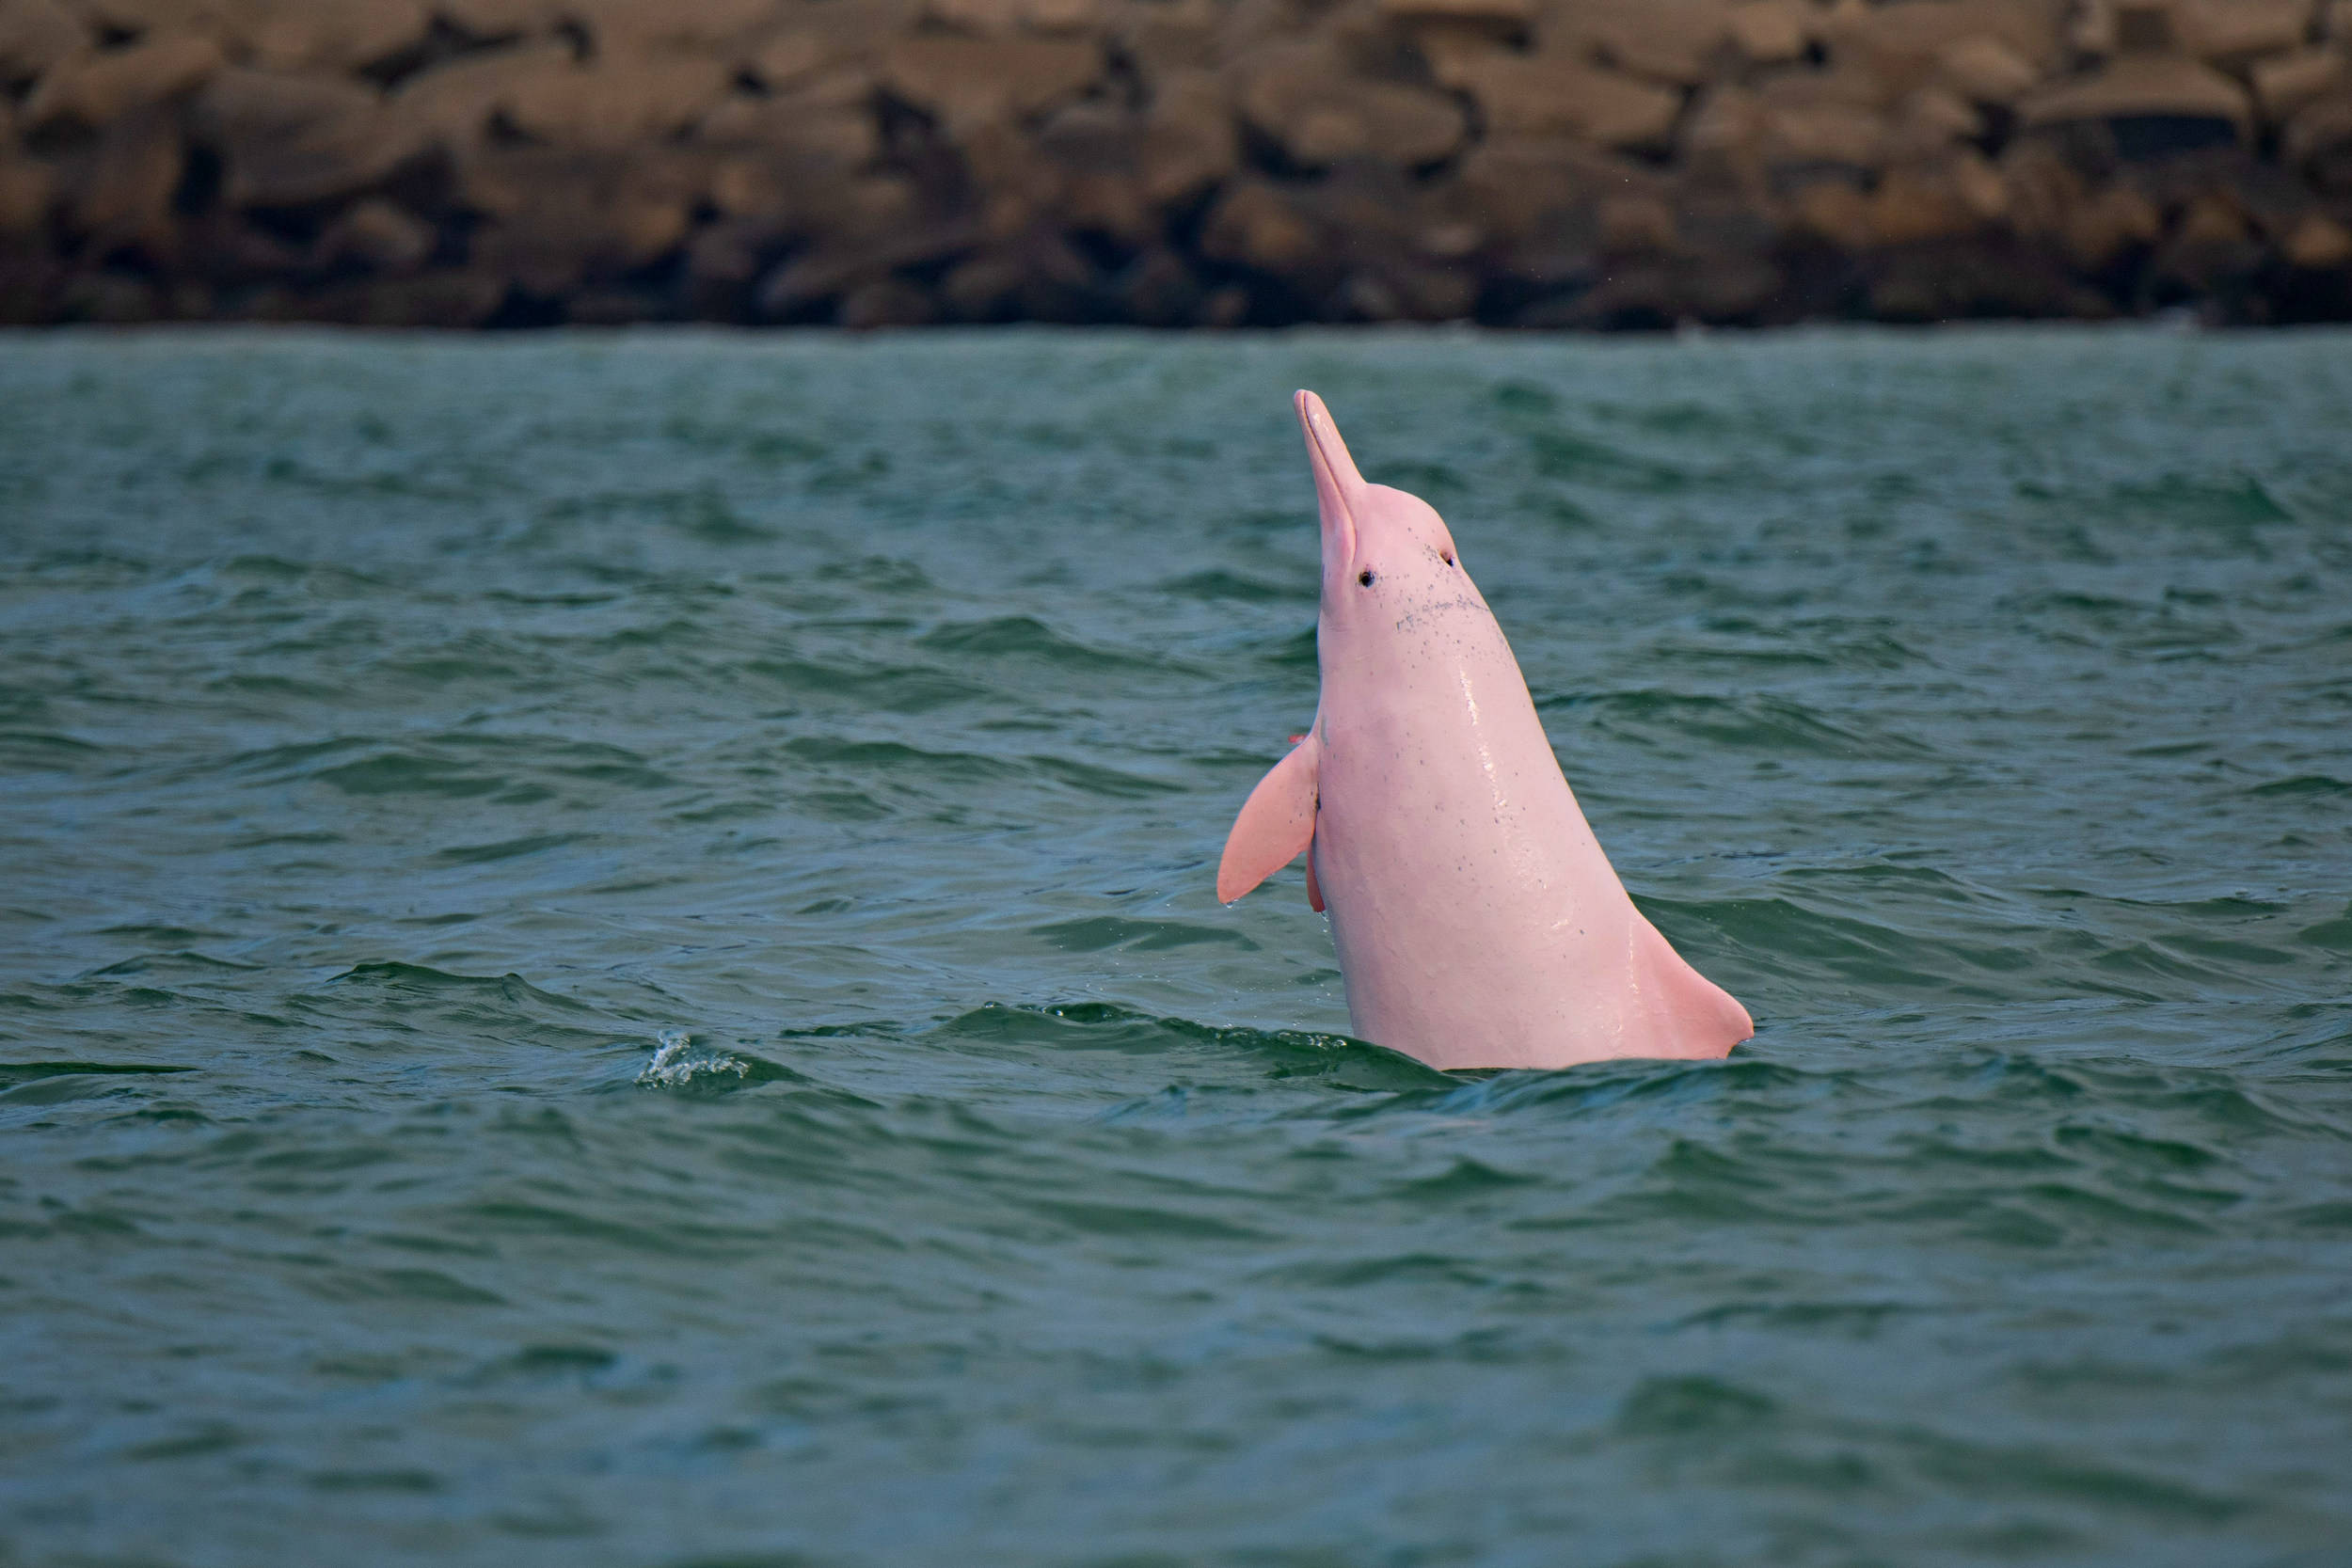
column 1603, row 163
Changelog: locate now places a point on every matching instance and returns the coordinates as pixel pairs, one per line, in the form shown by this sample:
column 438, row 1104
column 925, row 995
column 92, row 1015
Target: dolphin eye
column 1448, row 555
column 1364, row 577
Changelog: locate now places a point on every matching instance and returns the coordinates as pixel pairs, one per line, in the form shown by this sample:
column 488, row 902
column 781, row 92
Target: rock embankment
column 1570, row 163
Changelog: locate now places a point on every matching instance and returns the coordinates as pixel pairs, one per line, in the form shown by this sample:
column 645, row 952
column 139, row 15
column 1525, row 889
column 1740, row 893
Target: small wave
column 673, row 1068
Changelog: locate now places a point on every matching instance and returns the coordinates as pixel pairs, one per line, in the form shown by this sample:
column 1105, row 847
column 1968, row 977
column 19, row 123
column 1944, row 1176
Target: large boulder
column 2318, row 144
column 98, row 87
column 36, row 35
column 495, row 21
column 557, row 215
column 1535, row 203
column 2237, row 32
column 965, row 82
column 1191, row 141
column 28, row 190
column 810, row 285
column 1985, row 70
column 1676, row 42
column 812, row 43
column 329, row 35
column 377, row 236
column 2151, row 104
column 1304, row 98
column 1770, row 32
column 1541, row 95
column 1162, row 36
column 286, row 140
column 118, row 190
column 454, row 104
column 1809, row 123
column 1899, row 47
column 1946, row 201
column 2285, row 82
column 1263, row 226
column 614, row 104
column 632, row 29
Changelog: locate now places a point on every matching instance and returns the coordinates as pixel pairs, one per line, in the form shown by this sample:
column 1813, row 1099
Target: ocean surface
column 608, row 956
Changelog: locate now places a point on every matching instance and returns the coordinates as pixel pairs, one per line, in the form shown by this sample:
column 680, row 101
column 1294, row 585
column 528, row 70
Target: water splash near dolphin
column 1477, row 921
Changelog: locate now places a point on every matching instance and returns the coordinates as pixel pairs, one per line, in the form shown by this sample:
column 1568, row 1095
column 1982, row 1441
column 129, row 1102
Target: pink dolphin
column 1477, row 921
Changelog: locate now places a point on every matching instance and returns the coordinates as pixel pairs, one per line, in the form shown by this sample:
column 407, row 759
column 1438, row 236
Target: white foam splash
column 672, row 1068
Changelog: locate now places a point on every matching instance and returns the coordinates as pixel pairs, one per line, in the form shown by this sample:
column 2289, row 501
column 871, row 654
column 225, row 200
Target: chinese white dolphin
column 1477, row 923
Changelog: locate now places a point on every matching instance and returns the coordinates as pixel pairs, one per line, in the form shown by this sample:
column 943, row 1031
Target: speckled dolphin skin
column 1477, row 923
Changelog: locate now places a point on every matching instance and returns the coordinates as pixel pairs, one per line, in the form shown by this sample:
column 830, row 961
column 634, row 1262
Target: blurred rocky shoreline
column 1173, row 163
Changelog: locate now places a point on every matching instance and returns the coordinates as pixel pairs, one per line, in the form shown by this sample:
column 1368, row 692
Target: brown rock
column 2286, row 83
column 27, row 192
column 2233, row 32
column 833, row 118
column 331, row 35
column 1500, row 13
column 615, row 104
column 1985, row 70
column 2100, row 230
column 1553, row 95
column 1303, row 98
column 1090, row 158
column 2318, row 244
column 1797, row 133
column 120, row 191
column 2318, row 143
column 559, row 216
column 1260, row 225
column 1035, row 276
column 731, row 251
column 286, row 140
column 997, row 18
column 1636, row 226
column 1157, row 288
column 1536, row 203
column 2143, row 86
column 1162, row 37
column 1899, row 47
column 1835, row 212
column 1723, row 136
column 2211, row 220
column 1768, row 32
column 806, row 282
column 630, row 30
column 379, row 237
column 1931, row 121
column 439, row 299
column 2042, row 189
column 887, row 302
column 36, row 35
column 453, row 105
column 1672, row 41
column 817, row 41
column 97, row 88
column 502, row 19
column 968, row 82
column 1922, row 203
column 1191, row 141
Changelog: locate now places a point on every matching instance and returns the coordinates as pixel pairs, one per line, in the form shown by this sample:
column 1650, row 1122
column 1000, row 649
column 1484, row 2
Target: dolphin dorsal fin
column 1275, row 823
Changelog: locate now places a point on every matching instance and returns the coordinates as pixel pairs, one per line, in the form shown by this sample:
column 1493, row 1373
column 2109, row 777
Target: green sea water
column 608, row 955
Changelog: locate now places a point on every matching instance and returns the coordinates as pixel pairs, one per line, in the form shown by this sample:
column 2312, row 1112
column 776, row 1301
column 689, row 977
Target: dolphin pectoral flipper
column 1696, row 1017
column 1275, row 823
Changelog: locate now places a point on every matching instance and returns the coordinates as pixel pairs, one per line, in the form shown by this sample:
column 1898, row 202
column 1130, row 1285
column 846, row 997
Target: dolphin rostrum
column 1477, row 923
